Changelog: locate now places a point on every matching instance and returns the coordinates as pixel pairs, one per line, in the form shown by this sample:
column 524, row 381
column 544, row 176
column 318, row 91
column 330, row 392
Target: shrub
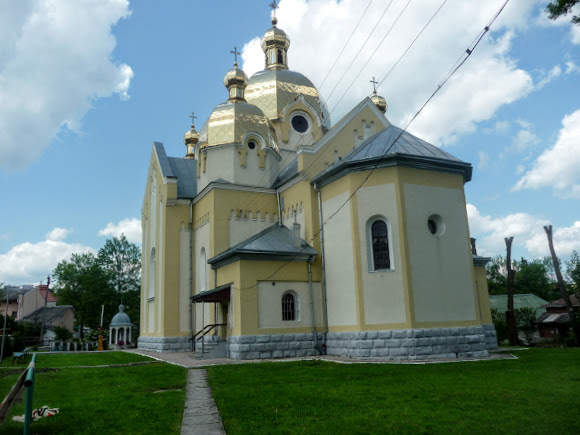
column 500, row 325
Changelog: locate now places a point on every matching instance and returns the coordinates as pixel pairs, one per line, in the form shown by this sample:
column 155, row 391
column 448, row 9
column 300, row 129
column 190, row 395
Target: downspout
column 279, row 208
column 191, row 289
column 323, row 267
column 310, row 261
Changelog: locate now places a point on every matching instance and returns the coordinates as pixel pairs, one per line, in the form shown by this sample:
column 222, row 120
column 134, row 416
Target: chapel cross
column 193, row 118
column 274, row 6
column 375, row 83
column 235, row 53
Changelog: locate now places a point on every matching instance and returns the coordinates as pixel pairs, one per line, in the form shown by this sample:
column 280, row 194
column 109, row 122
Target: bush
column 8, row 347
column 62, row 333
column 500, row 324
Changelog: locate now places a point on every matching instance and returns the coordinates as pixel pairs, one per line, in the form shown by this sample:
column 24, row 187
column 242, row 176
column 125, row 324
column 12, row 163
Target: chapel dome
column 235, row 76
column 190, row 140
column 273, row 89
column 379, row 101
column 275, row 36
column 121, row 318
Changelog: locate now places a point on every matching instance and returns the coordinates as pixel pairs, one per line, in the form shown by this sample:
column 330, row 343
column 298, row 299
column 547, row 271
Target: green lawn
column 538, row 393
column 143, row 399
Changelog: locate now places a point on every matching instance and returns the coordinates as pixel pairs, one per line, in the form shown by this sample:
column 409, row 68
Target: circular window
column 299, row 123
column 252, row 145
column 436, row 225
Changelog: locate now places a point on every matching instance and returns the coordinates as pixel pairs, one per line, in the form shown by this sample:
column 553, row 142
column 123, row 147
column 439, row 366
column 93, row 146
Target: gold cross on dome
column 193, row 118
column 235, row 53
column 274, row 6
column 375, row 83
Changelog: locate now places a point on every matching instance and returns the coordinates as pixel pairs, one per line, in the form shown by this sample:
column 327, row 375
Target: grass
column 143, row 399
column 538, row 393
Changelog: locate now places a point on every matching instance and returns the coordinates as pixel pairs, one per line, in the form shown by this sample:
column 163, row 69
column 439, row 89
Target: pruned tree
column 559, row 8
column 510, row 315
column 562, row 286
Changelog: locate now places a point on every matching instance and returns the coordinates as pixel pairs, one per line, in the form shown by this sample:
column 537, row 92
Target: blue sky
column 87, row 86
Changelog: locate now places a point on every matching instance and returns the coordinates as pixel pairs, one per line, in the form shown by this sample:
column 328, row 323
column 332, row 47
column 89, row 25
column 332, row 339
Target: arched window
column 280, row 58
column 113, row 338
column 380, row 245
column 289, row 306
column 152, row 265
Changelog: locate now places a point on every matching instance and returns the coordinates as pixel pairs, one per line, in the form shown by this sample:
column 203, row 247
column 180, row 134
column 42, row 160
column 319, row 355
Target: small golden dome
column 379, row 101
column 190, row 140
column 235, row 76
column 275, row 36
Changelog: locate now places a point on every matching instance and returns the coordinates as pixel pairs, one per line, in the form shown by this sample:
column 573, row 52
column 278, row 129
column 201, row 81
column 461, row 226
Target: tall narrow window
column 152, row 265
column 280, row 58
column 380, row 243
column 289, row 307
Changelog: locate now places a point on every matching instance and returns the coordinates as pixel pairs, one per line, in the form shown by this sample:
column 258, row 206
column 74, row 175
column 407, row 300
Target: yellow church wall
column 482, row 294
column 343, row 143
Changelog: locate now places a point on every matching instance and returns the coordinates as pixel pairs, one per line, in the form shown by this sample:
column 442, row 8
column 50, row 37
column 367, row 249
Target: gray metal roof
column 51, row 313
column 395, row 147
column 287, row 173
column 499, row 302
column 273, row 243
column 121, row 318
column 183, row 170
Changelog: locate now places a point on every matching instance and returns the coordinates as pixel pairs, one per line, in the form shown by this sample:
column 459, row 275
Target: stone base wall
column 164, row 344
column 490, row 336
column 272, row 346
column 410, row 344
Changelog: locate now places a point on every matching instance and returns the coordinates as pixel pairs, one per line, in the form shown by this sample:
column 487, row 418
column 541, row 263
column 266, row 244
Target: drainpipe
column 279, row 208
column 323, row 267
column 310, row 261
column 191, row 289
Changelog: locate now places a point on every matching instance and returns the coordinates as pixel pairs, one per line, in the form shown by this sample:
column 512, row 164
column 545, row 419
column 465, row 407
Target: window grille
column 288, row 307
column 380, row 242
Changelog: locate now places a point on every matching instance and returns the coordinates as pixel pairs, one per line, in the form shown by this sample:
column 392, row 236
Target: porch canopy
column 218, row 294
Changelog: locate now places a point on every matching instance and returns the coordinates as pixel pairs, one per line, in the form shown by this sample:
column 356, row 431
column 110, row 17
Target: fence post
column 29, row 384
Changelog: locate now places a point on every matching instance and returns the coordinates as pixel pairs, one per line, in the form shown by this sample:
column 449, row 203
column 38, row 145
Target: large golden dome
column 272, row 90
column 379, row 101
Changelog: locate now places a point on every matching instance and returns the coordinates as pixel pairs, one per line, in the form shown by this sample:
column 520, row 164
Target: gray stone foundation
column 272, row 346
column 490, row 336
column 412, row 344
column 164, row 344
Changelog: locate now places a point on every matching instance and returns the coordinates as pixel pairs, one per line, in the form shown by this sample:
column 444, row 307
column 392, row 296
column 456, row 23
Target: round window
column 251, row 145
column 299, row 123
column 436, row 225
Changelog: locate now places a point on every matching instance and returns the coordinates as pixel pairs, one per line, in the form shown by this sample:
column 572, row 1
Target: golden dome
column 275, row 36
column 379, row 101
column 235, row 76
column 273, row 90
column 190, row 139
column 231, row 121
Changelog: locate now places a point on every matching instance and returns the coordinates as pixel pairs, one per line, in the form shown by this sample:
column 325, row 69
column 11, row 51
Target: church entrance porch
column 216, row 300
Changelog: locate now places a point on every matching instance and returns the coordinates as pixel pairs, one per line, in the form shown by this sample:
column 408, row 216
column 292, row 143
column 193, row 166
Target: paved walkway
column 200, row 415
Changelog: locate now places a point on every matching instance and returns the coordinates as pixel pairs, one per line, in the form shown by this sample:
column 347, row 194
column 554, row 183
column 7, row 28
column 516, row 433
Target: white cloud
column 564, row 21
column 483, row 160
column 572, row 68
column 131, row 227
column 500, row 127
column 55, row 60
column 523, row 140
column 565, row 241
column 29, row 263
column 557, row 167
column 487, row 81
column 491, row 232
column 58, row 234
column 520, row 169
column 551, row 75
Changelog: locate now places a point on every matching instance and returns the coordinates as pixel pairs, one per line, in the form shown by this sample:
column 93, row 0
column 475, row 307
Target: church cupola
column 236, row 81
column 190, row 139
column 379, row 101
column 275, row 44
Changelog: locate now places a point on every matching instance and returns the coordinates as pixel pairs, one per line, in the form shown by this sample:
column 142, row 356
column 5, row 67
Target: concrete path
column 200, row 415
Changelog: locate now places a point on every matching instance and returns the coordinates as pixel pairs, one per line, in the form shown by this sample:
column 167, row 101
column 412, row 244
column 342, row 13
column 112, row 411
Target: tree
column 121, row 260
column 558, row 8
column 526, row 321
column 532, row 278
column 85, row 285
column 496, row 275
column 573, row 269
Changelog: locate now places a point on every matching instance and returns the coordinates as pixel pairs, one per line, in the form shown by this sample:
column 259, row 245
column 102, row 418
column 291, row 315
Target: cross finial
column 193, row 118
column 235, row 53
column 375, row 83
column 274, row 6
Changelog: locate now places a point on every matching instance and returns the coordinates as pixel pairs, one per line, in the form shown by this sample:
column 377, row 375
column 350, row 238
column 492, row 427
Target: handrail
column 29, row 384
column 206, row 330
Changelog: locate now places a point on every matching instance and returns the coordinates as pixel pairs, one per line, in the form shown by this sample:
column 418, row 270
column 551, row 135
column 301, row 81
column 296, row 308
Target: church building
column 280, row 234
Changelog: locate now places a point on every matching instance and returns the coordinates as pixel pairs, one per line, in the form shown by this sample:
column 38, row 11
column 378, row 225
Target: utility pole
column 510, row 314
column 562, row 286
column 44, row 311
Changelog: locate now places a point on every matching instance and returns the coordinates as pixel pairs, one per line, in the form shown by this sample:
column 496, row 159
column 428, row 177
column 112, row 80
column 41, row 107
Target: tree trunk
column 510, row 314
column 562, row 286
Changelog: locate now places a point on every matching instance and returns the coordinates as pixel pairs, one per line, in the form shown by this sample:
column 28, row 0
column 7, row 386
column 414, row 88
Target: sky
column 86, row 86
